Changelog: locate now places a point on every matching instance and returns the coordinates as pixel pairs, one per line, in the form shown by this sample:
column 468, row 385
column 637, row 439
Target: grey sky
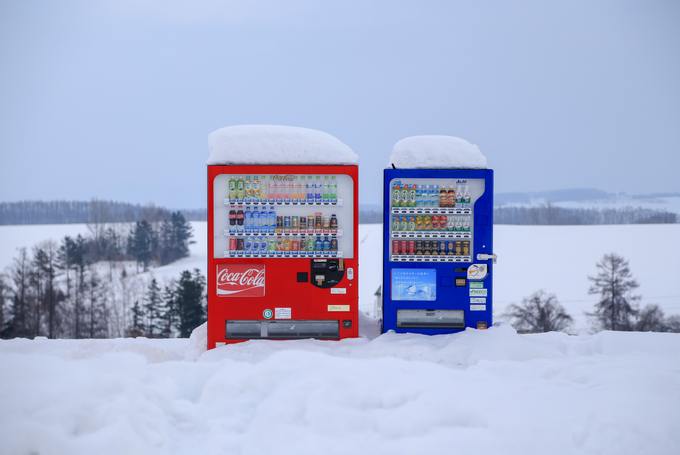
column 116, row 99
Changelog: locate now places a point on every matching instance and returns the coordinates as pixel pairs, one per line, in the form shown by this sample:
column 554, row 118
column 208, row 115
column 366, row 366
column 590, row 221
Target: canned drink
column 240, row 246
column 403, row 246
column 263, row 244
column 233, row 244
column 459, row 248
column 286, row 223
column 295, row 223
column 248, row 245
column 310, row 223
column 395, row 247
column 279, row 224
column 442, row 247
column 318, row 222
column 295, row 245
column 419, row 247
column 334, row 244
column 411, row 247
column 450, row 249
column 303, row 223
column 466, row 248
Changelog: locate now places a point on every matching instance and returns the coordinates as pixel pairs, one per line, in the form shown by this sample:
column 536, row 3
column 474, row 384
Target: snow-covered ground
column 555, row 258
column 492, row 392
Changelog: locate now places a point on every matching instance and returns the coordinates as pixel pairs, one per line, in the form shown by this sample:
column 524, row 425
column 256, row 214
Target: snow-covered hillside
column 492, row 392
column 555, row 258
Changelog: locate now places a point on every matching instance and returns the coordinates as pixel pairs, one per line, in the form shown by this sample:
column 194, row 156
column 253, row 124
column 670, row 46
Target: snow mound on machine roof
column 274, row 144
column 437, row 152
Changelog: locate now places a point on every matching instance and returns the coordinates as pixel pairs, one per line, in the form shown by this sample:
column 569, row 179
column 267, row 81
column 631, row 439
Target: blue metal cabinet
column 437, row 250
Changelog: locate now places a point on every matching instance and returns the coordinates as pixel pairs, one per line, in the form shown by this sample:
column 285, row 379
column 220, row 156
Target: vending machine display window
column 283, row 216
column 432, row 220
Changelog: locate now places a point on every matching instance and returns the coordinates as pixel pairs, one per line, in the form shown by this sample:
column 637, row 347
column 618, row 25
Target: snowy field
column 492, row 392
column 555, row 258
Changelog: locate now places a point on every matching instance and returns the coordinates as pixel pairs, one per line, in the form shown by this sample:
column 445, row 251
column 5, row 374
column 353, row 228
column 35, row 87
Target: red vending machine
column 282, row 252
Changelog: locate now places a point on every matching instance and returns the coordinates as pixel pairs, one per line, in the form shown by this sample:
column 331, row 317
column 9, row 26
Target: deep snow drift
column 492, row 392
column 436, row 152
column 275, row 144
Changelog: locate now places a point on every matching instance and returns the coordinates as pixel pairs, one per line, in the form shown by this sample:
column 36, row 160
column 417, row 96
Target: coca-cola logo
column 241, row 280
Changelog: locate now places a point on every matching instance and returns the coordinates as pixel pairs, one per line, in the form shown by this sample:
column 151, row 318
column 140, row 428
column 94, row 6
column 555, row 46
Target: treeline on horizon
column 100, row 211
column 82, row 212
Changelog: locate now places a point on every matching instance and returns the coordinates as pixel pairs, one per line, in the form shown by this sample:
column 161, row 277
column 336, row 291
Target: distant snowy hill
column 491, row 392
column 591, row 198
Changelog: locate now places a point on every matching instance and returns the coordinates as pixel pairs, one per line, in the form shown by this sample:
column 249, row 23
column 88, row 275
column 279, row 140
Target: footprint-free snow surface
column 490, row 392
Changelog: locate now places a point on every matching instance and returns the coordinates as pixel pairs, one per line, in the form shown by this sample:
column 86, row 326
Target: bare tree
column 614, row 283
column 540, row 312
column 651, row 319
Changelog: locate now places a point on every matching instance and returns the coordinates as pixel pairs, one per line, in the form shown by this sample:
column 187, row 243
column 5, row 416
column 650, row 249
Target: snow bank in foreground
column 273, row 144
column 437, row 152
column 491, row 391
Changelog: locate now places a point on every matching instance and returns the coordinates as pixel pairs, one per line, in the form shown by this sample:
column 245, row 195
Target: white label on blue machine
column 477, row 307
column 477, row 271
column 479, row 292
column 478, row 300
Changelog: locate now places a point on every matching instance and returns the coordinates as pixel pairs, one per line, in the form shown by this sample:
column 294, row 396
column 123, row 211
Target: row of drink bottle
column 266, row 221
column 431, row 247
column 266, row 245
column 274, row 189
column 431, row 223
column 414, row 195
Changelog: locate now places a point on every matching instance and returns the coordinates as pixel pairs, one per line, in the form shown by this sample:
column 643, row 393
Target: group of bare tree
column 617, row 307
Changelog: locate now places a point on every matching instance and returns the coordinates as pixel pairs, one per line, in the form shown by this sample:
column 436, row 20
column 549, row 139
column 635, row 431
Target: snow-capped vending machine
column 282, row 230
column 437, row 237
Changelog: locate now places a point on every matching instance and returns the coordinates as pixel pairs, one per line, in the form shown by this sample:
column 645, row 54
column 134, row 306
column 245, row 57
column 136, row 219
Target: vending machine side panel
column 434, row 280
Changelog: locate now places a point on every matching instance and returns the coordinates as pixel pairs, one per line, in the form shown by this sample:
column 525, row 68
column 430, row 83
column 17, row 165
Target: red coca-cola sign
column 240, row 280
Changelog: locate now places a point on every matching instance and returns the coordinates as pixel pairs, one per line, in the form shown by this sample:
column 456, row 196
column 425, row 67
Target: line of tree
column 617, row 307
column 551, row 215
column 61, row 290
column 93, row 211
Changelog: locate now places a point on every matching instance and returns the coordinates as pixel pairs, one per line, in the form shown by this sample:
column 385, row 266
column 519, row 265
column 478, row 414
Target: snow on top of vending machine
column 274, row 144
column 437, row 152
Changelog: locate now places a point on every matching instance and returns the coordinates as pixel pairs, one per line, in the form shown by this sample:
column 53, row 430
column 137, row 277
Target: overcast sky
column 115, row 99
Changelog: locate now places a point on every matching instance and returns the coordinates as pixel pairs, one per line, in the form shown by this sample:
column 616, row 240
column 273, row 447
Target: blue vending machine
column 437, row 250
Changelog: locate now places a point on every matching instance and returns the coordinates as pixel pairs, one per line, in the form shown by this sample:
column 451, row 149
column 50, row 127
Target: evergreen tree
column 153, row 309
column 170, row 311
column 98, row 312
column 174, row 238
column 190, row 295
column 142, row 243
column 540, row 312
column 614, row 283
column 137, row 328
